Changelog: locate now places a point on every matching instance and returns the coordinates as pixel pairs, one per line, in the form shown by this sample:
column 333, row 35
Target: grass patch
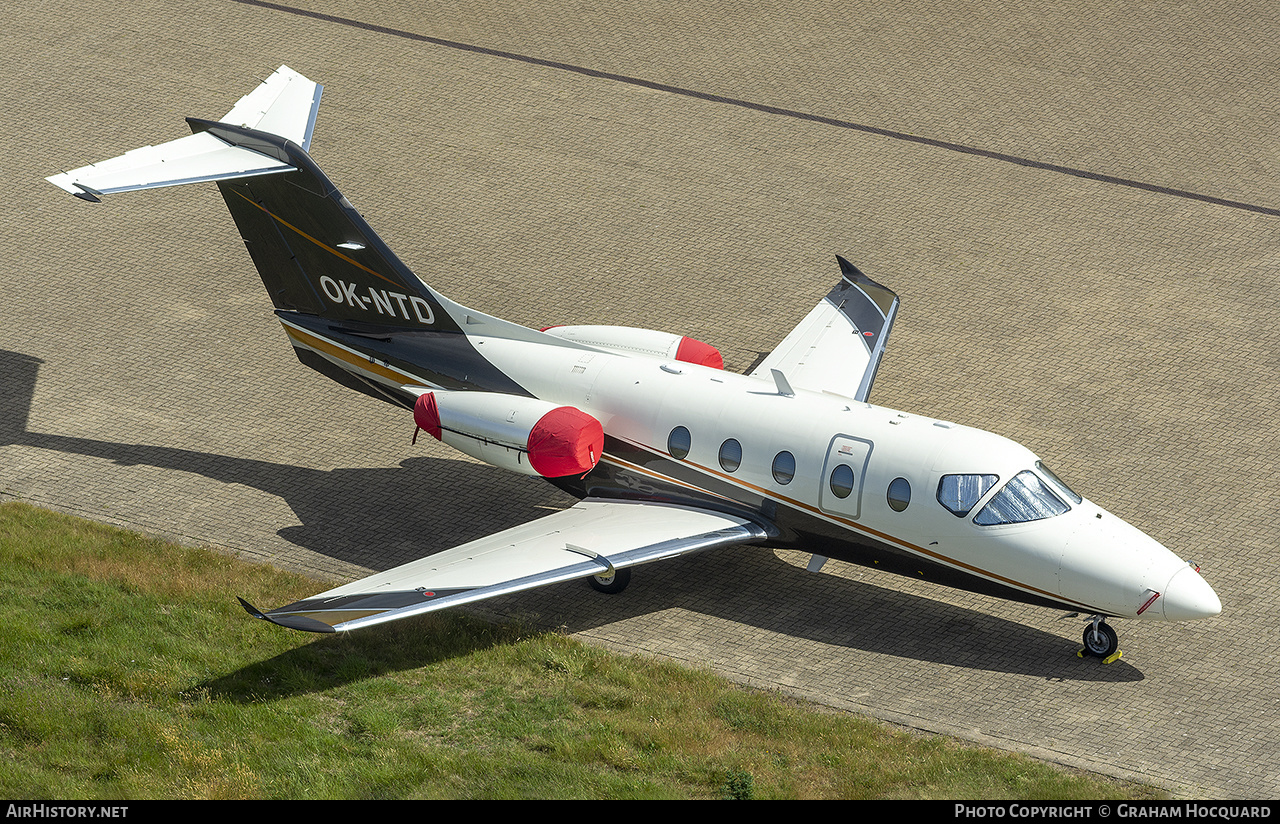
column 128, row 671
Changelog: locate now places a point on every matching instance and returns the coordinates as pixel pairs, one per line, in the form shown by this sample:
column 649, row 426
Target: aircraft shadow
column 335, row 660
column 346, row 514
column 342, row 512
column 754, row 586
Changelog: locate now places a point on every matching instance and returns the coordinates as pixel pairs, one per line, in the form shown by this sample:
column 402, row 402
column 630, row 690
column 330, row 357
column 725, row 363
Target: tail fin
column 315, row 253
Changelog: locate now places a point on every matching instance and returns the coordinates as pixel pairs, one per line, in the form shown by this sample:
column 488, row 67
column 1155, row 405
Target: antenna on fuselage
column 784, row 387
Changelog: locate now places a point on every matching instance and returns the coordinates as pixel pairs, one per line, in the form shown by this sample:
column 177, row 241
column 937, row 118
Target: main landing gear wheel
column 1100, row 640
column 612, row 582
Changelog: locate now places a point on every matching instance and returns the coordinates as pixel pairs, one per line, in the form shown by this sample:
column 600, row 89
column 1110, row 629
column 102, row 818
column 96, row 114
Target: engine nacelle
column 524, row 435
column 627, row 340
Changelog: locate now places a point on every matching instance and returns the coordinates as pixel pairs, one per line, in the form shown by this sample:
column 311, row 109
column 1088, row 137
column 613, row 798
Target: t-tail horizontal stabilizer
column 316, row 255
column 285, row 104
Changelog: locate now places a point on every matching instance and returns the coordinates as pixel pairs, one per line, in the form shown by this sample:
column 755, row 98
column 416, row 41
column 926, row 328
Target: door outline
column 856, row 453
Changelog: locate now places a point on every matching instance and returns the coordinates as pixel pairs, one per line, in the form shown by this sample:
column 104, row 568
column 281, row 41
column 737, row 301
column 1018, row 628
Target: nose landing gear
column 1100, row 641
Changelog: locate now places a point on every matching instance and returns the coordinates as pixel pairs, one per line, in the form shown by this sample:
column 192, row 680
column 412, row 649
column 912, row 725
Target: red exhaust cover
column 426, row 415
column 565, row 441
column 703, row 354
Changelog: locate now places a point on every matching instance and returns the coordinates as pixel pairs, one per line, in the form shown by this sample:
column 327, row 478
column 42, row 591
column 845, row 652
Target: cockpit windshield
column 1025, row 498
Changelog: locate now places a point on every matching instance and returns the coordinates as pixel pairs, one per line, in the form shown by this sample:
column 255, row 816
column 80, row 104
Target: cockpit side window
column 1024, row 498
column 1058, row 482
column 960, row 493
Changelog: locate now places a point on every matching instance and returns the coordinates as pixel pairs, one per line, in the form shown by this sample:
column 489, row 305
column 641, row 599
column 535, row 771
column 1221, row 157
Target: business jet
column 668, row 453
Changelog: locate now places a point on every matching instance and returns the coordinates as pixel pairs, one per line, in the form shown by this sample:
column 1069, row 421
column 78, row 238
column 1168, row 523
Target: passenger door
column 842, row 475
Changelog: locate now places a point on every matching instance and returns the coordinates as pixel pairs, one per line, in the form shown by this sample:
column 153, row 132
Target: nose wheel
column 1100, row 640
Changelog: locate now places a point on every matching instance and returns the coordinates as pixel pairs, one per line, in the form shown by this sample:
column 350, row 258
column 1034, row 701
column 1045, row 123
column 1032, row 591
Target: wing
column 837, row 347
column 593, row 537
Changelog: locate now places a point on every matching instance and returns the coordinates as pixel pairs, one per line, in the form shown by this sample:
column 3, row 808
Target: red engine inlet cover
column 703, row 354
column 565, row 441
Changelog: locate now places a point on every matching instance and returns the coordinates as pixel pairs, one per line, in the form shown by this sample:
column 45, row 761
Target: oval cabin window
column 784, row 467
column 679, row 443
column 842, row 481
column 730, row 455
column 899, row 494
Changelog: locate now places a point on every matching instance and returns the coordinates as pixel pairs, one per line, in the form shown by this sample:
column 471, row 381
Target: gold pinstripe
column 319, row 243
column 327, row 347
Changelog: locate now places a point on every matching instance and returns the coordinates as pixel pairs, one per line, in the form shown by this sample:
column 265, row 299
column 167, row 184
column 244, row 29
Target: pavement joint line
column 765, row 108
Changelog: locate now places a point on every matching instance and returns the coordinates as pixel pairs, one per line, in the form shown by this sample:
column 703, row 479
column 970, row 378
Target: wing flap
column 838, row 346
column 590, row 538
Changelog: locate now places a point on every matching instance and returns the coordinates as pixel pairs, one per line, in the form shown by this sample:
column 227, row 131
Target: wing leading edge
column 838, row 346
column 591, row 538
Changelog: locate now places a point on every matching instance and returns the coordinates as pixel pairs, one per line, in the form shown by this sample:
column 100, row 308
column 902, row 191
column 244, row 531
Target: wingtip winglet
column 855, row 276
column 301, row 622
column 848, row 269
column 251, row 609
column 85, row 193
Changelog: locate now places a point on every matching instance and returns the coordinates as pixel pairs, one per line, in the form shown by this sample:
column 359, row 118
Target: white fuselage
column 1083, row 558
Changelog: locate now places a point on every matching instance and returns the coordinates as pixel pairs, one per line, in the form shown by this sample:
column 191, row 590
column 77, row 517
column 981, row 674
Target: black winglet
column 251, row 609
column 85, row 193
column 849, row 270
column 291, row 621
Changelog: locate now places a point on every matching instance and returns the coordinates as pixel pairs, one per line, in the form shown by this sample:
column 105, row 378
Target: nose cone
column 1188, row 597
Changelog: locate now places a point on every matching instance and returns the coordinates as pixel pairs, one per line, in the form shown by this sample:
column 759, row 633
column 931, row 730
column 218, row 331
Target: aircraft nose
column 1188, row 597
